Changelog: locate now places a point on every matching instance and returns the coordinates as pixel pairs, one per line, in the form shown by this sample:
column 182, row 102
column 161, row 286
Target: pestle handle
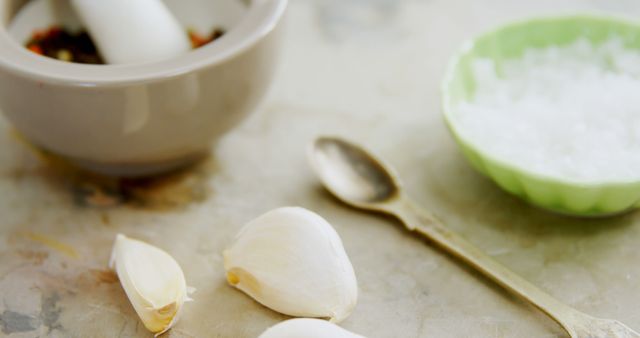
column 132, row 31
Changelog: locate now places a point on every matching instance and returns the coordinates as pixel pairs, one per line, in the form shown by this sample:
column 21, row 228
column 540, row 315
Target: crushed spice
column 58, row 43
column 61, row 44
column 198, row 40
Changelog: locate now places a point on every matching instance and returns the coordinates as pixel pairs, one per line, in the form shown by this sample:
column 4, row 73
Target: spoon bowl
column 351, row 174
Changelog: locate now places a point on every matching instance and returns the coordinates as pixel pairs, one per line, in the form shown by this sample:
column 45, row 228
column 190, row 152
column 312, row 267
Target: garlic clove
column 292, row 261
column 307, row 328
column 152, row 280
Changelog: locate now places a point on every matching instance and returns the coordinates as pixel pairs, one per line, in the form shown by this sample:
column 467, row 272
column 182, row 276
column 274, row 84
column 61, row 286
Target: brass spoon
column 364, row 182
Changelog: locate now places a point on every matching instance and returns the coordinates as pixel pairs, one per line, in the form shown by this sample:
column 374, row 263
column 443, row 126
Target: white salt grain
column 571, row 113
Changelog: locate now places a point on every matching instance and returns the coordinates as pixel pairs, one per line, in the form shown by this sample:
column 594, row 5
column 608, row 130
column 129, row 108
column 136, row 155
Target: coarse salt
column 570, row 113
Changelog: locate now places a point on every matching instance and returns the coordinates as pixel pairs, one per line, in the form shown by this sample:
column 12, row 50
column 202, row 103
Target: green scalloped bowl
column 508, row 42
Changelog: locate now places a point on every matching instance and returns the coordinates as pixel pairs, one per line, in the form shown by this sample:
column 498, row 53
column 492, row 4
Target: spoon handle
column 419, row 220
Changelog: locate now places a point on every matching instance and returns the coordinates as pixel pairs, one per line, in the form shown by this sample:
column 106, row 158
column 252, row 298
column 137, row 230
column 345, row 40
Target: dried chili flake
column 197, row 40
column 36, row 49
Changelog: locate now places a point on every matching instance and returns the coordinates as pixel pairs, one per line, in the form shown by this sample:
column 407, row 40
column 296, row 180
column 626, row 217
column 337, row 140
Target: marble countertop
column 368, row 70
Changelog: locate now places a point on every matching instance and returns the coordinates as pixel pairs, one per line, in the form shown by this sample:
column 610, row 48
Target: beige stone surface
column 365, row 69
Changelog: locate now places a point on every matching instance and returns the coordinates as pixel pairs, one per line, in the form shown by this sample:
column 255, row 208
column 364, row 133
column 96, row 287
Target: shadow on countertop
column 173, row 190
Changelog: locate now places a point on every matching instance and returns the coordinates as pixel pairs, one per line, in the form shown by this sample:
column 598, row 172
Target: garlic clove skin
column 293, row 261
column 307, row 328
column 152, row 280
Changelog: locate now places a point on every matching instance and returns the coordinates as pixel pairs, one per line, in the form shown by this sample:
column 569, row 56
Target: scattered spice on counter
column 62, row 44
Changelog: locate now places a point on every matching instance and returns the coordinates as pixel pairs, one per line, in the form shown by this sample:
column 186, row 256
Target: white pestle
column 132, row 31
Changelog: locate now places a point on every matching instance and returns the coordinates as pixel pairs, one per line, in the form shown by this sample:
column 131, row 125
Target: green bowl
column 508, row 42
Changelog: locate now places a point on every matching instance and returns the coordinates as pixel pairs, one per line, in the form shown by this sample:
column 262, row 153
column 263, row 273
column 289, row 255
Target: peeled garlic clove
column 152, row 280
column 292, row 261
column 307, row 328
